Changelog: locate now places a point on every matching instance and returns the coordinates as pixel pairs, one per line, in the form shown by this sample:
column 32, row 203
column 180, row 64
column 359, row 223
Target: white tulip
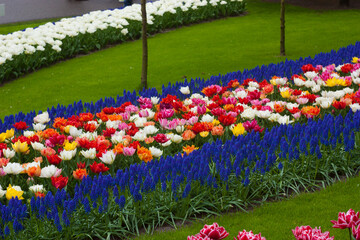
column 13, row 168
column 49, row 171
column 37, row 188
column 155, row 152
column 185, row 90
column 108, row 157
column 38, row 126
column 89, row 154
column 8, row 153
column 355, row 107
column 37, row 146
column 42, row 118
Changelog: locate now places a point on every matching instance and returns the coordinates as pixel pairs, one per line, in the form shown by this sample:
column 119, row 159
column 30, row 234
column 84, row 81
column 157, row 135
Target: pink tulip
column 125, row 116
column 307, row 233
column 214, row 232
column 193, row 120
column 48, row 143
column 198, row 101
column 2, row 172
column 163, row 122
column 265, row 101
column 346, row 220
column 255, row 102
column 166, row 113
column 201, row 109
column 297, row 115
column 143, row 113
column 302, row 100
column 173, row 124
column 131, row 109
column 123, row 126
column 356, row 232
column 128, row 151
column 198, row 237
column 253, row 125
column 244, row 235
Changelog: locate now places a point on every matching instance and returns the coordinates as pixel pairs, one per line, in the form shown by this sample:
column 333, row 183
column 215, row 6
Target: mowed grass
column 275, row 220
column 200, row 50
column 13, row 27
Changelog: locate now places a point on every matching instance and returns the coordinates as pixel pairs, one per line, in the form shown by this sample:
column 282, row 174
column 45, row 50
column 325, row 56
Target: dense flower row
column 349, row 220
column 212, row 174
column 235, row 162
column 229, row 171
column 23, row 51
column 118, row 137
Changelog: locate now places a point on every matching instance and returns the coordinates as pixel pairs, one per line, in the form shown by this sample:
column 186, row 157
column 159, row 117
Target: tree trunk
column 144, row 46
column 282, row 28
column 344, row 3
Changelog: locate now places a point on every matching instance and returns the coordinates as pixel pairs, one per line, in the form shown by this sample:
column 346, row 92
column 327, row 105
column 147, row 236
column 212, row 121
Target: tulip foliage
column 142, row 161
column 33, row 48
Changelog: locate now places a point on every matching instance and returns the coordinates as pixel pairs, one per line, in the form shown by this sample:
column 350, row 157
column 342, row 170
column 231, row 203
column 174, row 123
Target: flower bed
column 349, row 220
column 32, row 48
column 231, row 167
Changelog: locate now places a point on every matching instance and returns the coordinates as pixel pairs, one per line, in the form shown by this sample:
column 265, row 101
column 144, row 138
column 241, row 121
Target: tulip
column 155, row 152
column 13, row 192
column 13, row 168
column 185, row 90
column 20, row 147
column 129, row 151
column 346, row 220
column 214, row 232
column 8, row 153
column 37, row 188
column 89, row 154
column 108, row 157
column 80, row 173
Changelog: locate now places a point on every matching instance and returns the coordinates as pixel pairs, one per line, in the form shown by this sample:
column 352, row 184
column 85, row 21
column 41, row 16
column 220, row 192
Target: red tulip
column 244, row 235
column 356, row 232
column 214, row 232
column 59, row 182
column 198, row 237
column 98, row 167
column 54, row 159
column 346, row 220
column 307, row 233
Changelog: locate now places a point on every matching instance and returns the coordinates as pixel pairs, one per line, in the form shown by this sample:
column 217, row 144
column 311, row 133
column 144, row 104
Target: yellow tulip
column 238, row 130
column 216, row 122
column 285, row 94
column 355, row 60
column 273, row 81
column 20, row 147
column 342, row 82
column 10, row 133
column 204, row 134
column 67, row 129
column 12, row 193
column 331, row 82
column 70, row 146
column 2, row 137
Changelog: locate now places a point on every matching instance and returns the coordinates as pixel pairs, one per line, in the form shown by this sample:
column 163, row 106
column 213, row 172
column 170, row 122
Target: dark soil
column 320, row 4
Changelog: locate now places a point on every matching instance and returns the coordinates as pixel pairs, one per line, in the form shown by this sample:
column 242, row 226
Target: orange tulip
column 80, row 173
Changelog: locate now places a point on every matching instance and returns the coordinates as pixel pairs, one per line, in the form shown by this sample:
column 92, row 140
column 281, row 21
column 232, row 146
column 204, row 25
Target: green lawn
column 275, row 220
column 201, row 50
column 13, row 27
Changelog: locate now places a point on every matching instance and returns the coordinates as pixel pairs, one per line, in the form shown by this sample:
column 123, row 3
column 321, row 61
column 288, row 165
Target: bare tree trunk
column 144, row 46
column 282, row 28
column 344, row 3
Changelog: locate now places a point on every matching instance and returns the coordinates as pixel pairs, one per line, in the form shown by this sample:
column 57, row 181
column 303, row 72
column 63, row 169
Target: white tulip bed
column 25, row 51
